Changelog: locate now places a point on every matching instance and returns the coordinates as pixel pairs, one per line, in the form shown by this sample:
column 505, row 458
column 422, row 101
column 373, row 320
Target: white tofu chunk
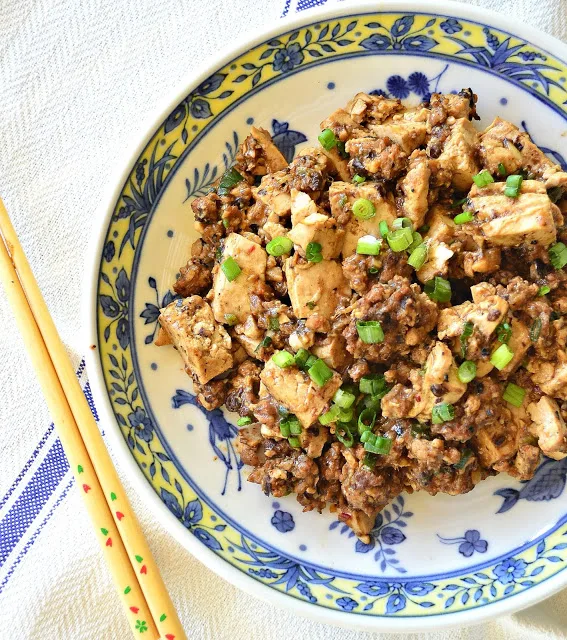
column 204, row 345
column 437, row 263
column 408, row 134
column 549, row 427
column 234, row 297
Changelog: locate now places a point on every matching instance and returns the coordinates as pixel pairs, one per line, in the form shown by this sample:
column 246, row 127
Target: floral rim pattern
column 366, row 34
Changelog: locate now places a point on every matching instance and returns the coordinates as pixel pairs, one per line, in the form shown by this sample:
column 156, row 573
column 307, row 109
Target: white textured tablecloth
column 77, row 80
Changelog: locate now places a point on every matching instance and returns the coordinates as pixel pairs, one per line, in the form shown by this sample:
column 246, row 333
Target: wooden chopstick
column 129, row 558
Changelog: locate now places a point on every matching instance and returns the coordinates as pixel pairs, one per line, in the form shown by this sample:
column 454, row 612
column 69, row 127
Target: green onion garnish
column 514, row 394
column 230, row 319
column 442, row 412
column 376, row 444
column 416, row 241
column 383, row 228
column 483, row 178
column 467, row 371
column 225, row 223
column 372, row 384
column 558, row 255
column 313, row 252
column 263, row 344
column 501, row 169
column 366, row 420
column 424, row 228
column 301, row 358
column 370, row 331
column 341, row 147
column 283, row 359
column 279, row 246
column 501, row 357
column 504, row 332
column 230, row 179
column 555, row 194
column 284, row 429
column 458, row 203
column 513, row 185
column 467, row 453
column 310, row 361
column 535, row 330
column 438, row 289
column 344, row 399
column 363, row 209
column 332, row 415
column 400, row 239
column 294, row 442
column 401, row 223
column 467, row 333
column 327, row 139
column 371, row 402
column 462, row 218
column 241, row 422
column 358, row 179
column 418, row 257
column 344, row 434
column 273, row 323
column 346, row 415
column 320, row 373
column 369, row 246
column 369, row 460
column 231, row 269
column 543, row 290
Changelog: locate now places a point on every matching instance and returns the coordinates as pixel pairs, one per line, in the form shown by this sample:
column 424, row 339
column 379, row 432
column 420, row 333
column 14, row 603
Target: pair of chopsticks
column 148, row 607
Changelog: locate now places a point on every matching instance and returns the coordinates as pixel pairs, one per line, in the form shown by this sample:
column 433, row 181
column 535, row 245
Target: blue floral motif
column 397, row 593
column 398, row 87
column 109, row 251
column 387, row 532
column 547, row 484
column 283, row 521
column 286, row 58
column 286, row 139
column 451, row 25
column 468, row 544
column 347, row 604
column 140, row 421
column 400, row 37
column 115, row 307
column 510, row 570
column 151, row 310
column 417, row 83
column 220, row 431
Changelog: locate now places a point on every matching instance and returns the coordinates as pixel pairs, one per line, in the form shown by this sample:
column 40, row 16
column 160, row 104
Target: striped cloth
column 76, row 79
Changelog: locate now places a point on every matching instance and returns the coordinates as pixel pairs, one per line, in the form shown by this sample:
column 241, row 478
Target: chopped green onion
column 241, row 422
column 458, row 203
column 282, row 411
column 400, row 239
column 263, row 344
column 320, row 373
column 313, row 252
column 344, row 434
column 283, row 359
column 504, row 332
column 376, row 444
column 230, row 179
column 442, row 412
column 513, row 185
column 291, row 424
column 294, row 442
column 342, row 149
column 369, row 460
column 279, row 246
column 424, row 228
column 371, row 402
column 301, row 358
column 230, row 319
column 418, row 257
column 368, row 246
column 285, row 429
column 358, row 179
column 332, row 415
column 363, row 209
column 555, row 194
column 372, row 384
column 370, row 331
column 543, row 290
column 311, row 305
column 310, row 361
column 514, row 394
column 501, row 357
column 295, row 427
column 231, row 269
column 467, row 333
column 416, row 241
column 327, row 139
column 419, row 429
column 501, row 169
column 273, row 323
column 535, row 330
column 438, row 289
column 402, row 223
column 467, row 371
column 467, row 453
column 373, row 270
column 383, row 228
column 344, row 399
column 462, row 218
column 483, row 178
column 366, row 420
column 558, row 255
column 346, row 415
column 225, row 223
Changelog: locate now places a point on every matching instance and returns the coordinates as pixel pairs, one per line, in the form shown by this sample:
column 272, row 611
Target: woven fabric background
column 78, row 80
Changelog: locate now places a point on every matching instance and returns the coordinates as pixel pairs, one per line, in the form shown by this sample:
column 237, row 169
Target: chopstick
column 135, row 573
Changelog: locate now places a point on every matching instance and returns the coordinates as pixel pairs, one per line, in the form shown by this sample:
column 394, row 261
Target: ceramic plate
column 433, row 561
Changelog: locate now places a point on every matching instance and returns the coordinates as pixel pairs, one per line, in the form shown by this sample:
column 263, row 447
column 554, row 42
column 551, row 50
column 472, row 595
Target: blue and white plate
column 433, row 562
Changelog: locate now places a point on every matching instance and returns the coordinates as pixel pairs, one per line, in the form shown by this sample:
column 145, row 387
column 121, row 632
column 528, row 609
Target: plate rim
column 138, row 140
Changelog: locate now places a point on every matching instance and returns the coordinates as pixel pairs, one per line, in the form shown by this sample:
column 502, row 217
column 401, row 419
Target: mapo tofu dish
column 386, row 313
